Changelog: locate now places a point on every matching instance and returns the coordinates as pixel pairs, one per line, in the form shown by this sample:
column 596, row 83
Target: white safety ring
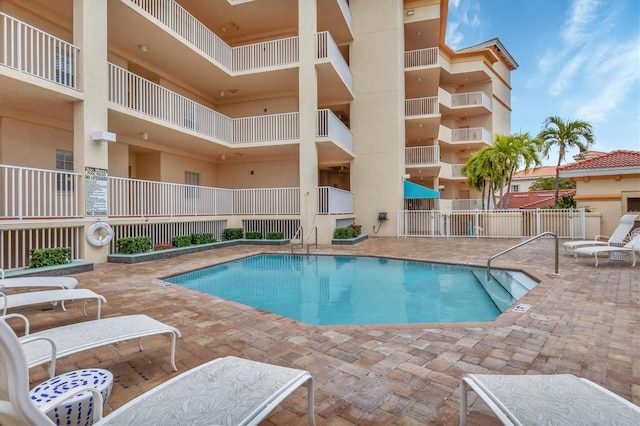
column 99, row 234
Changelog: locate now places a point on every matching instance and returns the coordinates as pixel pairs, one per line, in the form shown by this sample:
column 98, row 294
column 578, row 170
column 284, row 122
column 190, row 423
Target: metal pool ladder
column 301, row 232
column 519, row 245
column 313, row 232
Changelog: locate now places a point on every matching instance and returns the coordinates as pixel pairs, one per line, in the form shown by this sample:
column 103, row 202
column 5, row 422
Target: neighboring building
column 533, row 199
column 171, row 117
column 522, row 180
column 608, row 184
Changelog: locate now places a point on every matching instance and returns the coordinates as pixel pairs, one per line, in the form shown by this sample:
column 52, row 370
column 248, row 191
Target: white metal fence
column 422, row 155
column 470, row 98
column 37, row 193
column 491, row 223
column 15, row 244
column 266, row 201
column 27, row 49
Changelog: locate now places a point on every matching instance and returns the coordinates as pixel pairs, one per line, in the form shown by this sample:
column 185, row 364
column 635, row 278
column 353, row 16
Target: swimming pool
column 341, row 290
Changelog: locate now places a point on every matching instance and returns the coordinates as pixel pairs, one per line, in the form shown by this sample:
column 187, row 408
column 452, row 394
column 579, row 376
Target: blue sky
column 578, row 59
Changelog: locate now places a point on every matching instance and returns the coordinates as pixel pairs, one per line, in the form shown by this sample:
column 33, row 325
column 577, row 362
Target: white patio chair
column 37, row 282
column 620, row 234
column 8, row 301
column 225, row 391
column 554, row 399
column 629, row 248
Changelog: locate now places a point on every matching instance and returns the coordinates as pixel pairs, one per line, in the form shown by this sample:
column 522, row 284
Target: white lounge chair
column 51, row 344
column 618, row 237
column 555, row 399
column 225, row 391
column 37, row 282
column 630, row 248
column 8, row 301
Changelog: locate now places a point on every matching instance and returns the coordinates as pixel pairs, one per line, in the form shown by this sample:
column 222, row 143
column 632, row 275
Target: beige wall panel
column 119, row 160
column 148, row 166
column 173, row 168
column 255, row 108
column 25, row 14
column 267, row 174
column 32, row 145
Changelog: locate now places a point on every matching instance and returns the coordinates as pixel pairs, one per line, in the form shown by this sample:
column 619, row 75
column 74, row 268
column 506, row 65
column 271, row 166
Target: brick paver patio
column 584, row 321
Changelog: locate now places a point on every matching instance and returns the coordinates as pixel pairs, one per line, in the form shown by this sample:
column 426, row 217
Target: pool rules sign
column 96, row 191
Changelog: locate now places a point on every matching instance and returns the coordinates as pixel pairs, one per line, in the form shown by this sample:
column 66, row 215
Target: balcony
column 335, row 81
column 471, row 103
column 134, row 93
column 334, row 201
column 422, row 156
column 239, row 59
column 451, row 171
column 421, row 107
column 422, row 58
column 333, row 138
column 474, row 137
column 34, row 52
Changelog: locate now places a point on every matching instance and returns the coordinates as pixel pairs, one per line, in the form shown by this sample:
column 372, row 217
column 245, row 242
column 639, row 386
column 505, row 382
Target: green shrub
column 232, row 234
column 49, row 257
column 200, row 238
column 275, row 236
column 343, row 233
column 181, row 240
column 253, row 235
column 133, row 245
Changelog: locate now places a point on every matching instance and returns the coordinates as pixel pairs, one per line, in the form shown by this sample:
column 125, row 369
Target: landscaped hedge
column 253, row 235
column 49, row 257
column 181, row 240
column 133, row 245
column 343, row 233
column 275, row 236
column 232, row 234
column 202, row 238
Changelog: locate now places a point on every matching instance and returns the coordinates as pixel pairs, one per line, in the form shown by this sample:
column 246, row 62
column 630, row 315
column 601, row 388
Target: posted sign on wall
column 96, row 191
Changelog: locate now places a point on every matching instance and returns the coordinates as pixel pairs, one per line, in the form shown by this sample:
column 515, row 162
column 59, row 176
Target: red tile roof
column 612, row 159
column 534, row 199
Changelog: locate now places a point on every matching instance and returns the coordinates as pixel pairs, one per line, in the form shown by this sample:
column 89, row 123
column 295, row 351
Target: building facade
column 164, row 117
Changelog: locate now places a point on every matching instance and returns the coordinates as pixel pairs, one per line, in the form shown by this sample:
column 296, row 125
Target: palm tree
column 485, row 170
column 475, row 176
column 519, row 151
column 565, row 135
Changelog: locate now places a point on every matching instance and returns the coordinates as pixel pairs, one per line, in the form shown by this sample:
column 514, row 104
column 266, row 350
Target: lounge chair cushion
column 17, row 300
column 225, row 391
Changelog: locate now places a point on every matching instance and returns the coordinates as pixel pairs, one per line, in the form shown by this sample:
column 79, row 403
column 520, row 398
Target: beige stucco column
column 90, row 36
column 308, row 104
column 377, row 112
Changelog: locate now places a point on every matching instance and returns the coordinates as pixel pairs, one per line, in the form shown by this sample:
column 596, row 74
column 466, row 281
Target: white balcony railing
column 334, row 200
column 451, row 171
column 131, row 91
column 421, row 106
column 470, row 99
column 234, row 59
column 29, row 50
column 326, row 48
column 421, row 57
column 472, row 134
column 330, row 126
column 36, row 193
column 344, row 7
column 422, row 155
column 142, row 198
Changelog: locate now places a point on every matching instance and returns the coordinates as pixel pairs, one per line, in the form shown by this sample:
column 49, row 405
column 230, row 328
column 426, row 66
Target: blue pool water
column 339, row 290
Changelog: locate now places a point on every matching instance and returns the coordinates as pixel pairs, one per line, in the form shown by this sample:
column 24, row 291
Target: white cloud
column 583, row 13
column 567, row 75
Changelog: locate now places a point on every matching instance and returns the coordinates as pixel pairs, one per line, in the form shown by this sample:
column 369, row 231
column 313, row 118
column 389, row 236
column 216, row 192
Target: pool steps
column 505, row 287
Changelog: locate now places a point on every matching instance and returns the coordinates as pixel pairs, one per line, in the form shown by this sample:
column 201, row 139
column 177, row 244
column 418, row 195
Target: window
column 64, row 163
column 515, row 188
column 192, row 178
column 633, row 204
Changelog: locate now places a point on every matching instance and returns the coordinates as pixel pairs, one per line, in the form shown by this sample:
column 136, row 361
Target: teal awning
column 413, row 190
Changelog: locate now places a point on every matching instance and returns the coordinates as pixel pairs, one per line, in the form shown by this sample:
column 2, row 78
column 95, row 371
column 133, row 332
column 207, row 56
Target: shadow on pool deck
column 584, row 321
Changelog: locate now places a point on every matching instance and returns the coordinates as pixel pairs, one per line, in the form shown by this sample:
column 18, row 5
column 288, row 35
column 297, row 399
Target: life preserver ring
column 99, row 234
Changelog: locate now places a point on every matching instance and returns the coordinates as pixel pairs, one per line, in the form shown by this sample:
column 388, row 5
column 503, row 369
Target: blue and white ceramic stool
column 77, row 410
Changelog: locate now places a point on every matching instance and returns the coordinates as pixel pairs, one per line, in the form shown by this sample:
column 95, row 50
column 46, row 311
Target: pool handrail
column 313, row 232
column 521, row 244
column 300, row 231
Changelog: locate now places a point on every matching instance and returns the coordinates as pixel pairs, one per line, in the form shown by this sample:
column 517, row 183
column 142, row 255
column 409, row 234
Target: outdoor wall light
column 382, row 218
column 410, row 12
column 103, row 136
column 143, row 48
